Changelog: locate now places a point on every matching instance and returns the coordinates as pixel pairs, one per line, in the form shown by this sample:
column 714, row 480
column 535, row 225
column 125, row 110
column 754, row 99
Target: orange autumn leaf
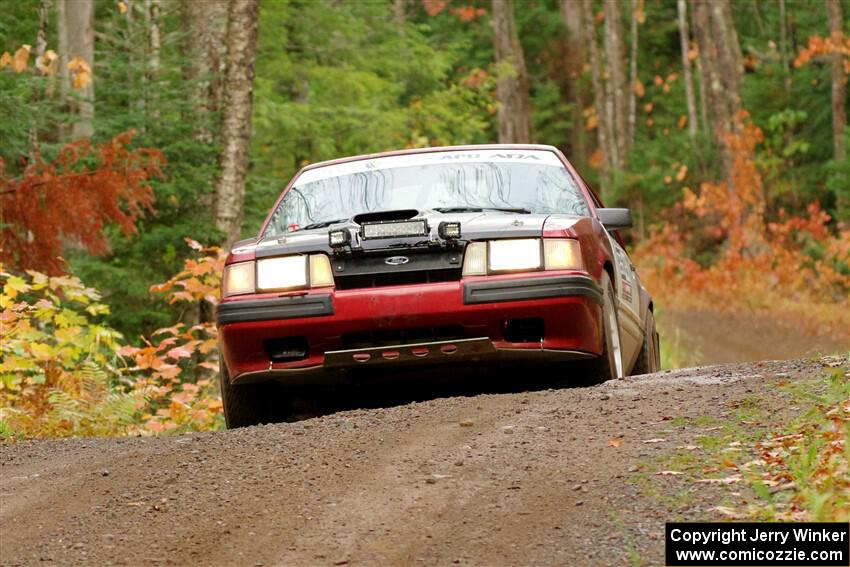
column 693, row 52
column 21, row 58
column 615, row 442
column 640, row 13
column 467, row 13
column 434, row 7
column 683, row 121
column 48, row 63
column 81, row 73
column 595, row 160
column 639, row 89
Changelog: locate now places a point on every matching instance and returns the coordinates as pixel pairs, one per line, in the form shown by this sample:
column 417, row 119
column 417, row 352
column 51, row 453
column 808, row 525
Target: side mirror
column 614, row 219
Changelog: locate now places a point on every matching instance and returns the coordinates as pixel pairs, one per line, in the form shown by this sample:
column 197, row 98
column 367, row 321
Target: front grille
column 391, row 337
column 360, row 281
column 397, row 266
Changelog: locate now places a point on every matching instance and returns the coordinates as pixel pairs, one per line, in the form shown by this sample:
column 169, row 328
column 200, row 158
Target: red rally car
column 473, row 254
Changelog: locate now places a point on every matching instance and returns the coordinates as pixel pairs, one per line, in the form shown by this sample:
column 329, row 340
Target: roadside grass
column 673, row 354
column 633, row 556
column 779, row 459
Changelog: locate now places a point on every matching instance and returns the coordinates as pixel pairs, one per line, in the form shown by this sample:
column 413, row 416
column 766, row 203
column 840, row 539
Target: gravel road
column 501, row 477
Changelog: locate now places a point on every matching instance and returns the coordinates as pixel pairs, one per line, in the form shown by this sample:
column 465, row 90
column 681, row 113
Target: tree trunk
column 757, row 16
column 633, row 78
column 40, row 48
column 153, row 10
column 839, row 80
column 615, row 59
column 728, row 48
column 206, row 25
column 602, row 122
column 783, row 48
column 685, row 42
column 400, row 13
column 512, row 88
column 721, row 75
column 702, row 75
column 64, row 76
column 571, row 13
column 76, row 32
column 236, row 119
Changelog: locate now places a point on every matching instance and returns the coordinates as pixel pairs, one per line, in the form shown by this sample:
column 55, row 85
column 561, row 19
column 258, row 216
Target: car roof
column 433, row 149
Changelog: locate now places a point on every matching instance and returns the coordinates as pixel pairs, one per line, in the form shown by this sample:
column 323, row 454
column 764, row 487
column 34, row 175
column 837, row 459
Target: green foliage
column 351, row 82
column 63, row 372
column 60, row 373
column 343, row 78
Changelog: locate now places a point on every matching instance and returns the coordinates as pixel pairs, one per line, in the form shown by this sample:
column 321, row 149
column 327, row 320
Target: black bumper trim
column 277, row 308
column 530, row 288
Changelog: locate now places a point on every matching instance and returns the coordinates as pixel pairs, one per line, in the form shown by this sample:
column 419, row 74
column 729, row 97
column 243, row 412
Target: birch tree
column 603, row 122
column 720, row 69
column 512, row 87
column 236, row 119
column 636, row 11
column 575, row 47
column 206, row 46
column 685, row 43
column 616, row 91
column 76, row 42
column 839, row 80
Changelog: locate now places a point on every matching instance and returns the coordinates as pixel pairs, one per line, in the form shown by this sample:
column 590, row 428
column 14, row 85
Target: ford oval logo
column 397, row 260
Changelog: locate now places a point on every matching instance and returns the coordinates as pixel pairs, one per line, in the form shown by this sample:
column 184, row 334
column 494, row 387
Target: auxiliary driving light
column 449, row 230
column 395, row 229
column 338, row 238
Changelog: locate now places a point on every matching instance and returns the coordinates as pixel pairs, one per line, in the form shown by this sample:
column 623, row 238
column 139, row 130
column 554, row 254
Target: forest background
column 142, row 137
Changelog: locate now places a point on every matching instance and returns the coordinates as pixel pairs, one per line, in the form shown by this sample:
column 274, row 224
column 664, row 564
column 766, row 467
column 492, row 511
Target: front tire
column 609, row 365
column 251, row 404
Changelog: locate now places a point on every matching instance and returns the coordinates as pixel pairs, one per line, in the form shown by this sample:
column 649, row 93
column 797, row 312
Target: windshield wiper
column 321, row 224
column 517, row 210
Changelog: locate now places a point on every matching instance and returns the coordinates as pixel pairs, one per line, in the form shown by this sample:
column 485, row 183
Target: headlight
column 521, row 255
column 515, row 255
column 285, row 272
column 238, row 279
column 562, row 254
column 321, row 274
column 475, row 259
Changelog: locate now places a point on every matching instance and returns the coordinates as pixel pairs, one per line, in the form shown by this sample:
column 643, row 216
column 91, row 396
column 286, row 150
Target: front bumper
column 567, row 303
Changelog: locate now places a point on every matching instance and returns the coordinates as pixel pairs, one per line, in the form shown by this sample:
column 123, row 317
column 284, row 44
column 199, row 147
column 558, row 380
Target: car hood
column 474, row 226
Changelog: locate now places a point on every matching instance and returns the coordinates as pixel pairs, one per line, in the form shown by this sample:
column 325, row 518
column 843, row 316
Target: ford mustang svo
column 484, row 255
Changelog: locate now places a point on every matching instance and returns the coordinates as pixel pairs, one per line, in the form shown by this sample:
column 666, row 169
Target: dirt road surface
column 501, row 477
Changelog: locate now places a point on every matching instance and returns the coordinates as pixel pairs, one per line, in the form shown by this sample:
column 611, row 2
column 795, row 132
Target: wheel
column 251, row 404
column 609, row 365
column 649, row 359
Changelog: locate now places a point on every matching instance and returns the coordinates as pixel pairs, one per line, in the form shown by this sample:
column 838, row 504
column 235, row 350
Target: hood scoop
column 385, row 216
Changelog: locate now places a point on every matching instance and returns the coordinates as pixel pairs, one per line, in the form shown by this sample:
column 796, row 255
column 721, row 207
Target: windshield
column 519, row 181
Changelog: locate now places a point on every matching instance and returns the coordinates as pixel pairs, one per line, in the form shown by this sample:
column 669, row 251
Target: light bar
column 395, row 229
